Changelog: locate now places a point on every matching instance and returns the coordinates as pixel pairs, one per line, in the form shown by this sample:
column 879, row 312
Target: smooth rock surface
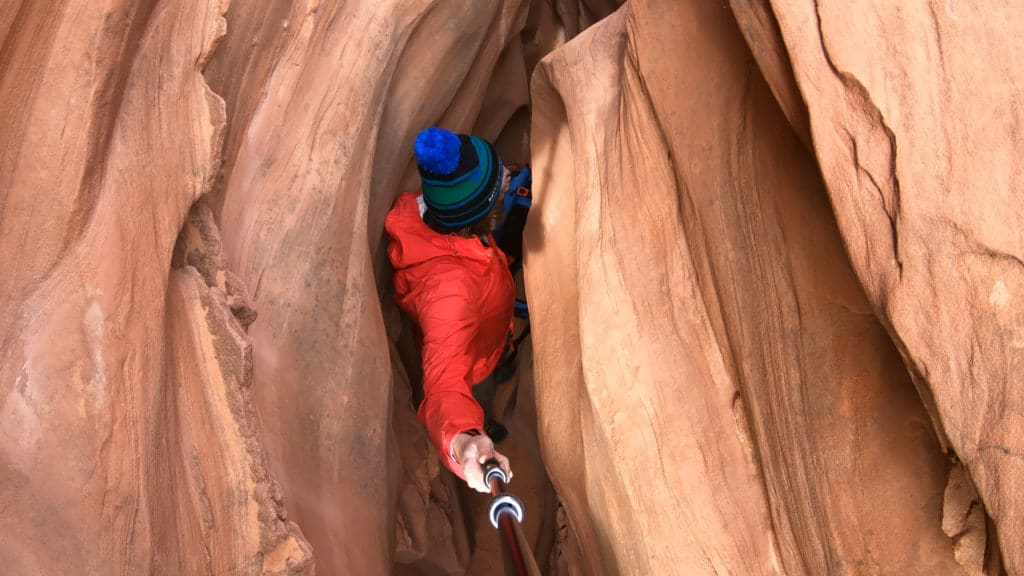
column 319, row 160
column 693, row 291
column 129, row 443
column 914, row 112
column 774, row 265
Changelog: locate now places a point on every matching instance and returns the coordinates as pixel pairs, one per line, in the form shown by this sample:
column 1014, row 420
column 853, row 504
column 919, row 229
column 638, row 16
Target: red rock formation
column 690, row 285
column 316, row 164
column 129, row 443
column 233, row 507
column 913, row 113
column 772, row 268
column 627, row 463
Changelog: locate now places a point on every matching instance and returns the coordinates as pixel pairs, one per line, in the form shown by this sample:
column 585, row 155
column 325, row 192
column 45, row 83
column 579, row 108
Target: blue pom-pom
column 437, row 150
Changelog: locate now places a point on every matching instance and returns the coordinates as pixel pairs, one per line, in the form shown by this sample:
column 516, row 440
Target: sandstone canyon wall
column 129, row 446
column 738, row 371
column 773, row 268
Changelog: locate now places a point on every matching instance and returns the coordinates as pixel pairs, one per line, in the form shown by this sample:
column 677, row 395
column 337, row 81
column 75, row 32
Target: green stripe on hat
column 451, row 196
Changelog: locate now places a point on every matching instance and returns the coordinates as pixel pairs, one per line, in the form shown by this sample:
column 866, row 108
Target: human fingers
column 502, row 463
column 474, row 473
column 505, row 465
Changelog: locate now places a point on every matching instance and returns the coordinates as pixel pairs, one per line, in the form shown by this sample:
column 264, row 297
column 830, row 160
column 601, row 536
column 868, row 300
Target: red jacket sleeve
column 449, row 323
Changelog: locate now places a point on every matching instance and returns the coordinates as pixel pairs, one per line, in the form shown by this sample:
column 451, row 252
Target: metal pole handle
column 492, row 472
column 506, row 515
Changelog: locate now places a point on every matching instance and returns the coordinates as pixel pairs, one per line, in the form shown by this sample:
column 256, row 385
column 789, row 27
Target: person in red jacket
column 454, row 282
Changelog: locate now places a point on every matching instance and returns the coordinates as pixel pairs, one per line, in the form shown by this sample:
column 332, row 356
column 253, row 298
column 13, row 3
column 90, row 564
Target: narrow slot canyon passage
column 432, row 501
column 772, row 263
column 475, row 80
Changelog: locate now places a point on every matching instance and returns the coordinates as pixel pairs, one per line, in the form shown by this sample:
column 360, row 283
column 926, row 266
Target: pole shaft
column 514, row 554
column 518, row 562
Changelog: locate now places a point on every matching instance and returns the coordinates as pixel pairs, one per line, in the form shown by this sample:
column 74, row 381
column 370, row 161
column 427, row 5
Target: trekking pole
column 506, row 513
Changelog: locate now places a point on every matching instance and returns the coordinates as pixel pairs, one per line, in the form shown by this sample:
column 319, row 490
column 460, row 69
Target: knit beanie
column 461, row 176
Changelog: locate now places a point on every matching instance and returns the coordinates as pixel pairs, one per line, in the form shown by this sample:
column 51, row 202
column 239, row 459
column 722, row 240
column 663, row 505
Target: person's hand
column 472, row 452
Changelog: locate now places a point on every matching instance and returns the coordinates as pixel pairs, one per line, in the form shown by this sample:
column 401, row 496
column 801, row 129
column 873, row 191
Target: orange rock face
column 743, row 409
column 314, row 166
column 773, row 267
column 130, row 444
column 919, row 156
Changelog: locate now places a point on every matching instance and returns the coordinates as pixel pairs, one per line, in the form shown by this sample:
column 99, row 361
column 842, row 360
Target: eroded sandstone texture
column 774, row 267
column 744, row 410
column 318, row 147
column 914, row 112
column 129, row 443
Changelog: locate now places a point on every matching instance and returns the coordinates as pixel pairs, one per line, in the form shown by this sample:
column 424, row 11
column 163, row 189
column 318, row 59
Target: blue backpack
column 516, row 207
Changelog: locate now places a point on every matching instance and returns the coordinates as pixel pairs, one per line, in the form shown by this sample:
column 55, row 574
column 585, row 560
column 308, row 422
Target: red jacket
column 461, row 295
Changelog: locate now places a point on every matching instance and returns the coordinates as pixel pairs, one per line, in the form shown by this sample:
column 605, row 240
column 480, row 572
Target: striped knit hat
column 461, row 176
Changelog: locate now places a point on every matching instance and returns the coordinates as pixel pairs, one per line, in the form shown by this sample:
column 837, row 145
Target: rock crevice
column 773, row 265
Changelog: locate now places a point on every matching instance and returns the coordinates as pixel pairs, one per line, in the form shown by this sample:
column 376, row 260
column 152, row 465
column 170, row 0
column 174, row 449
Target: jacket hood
column 413, row 242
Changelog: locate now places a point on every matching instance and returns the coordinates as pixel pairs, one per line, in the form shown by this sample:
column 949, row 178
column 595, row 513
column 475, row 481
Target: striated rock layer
column 129, row 442
column 773, row 269
column 319, row 146
column 155, row 424
column 920, row 158
column 715, row 391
